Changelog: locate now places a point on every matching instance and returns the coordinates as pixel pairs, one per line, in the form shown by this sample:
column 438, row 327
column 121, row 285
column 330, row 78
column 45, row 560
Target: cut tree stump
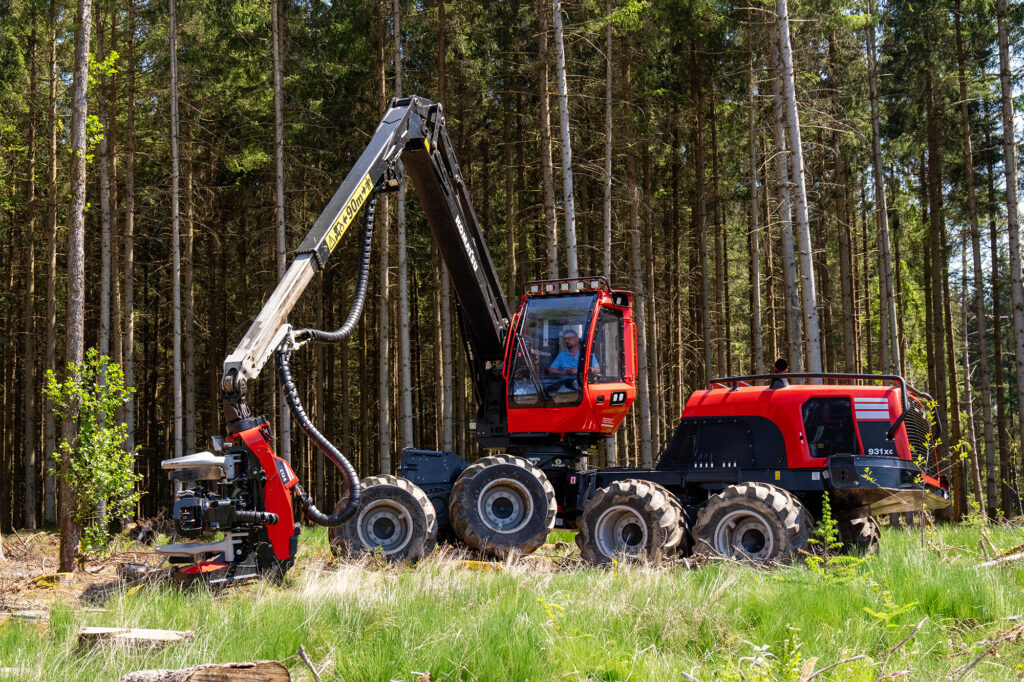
column 252, row 671
column 132, row 636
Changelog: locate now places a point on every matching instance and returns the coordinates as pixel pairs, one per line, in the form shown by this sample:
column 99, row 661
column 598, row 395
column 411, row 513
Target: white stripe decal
column 872, row 414
column 868, row 401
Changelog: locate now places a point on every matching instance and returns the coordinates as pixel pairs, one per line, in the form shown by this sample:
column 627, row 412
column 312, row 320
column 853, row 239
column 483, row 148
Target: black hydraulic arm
column 412, row 131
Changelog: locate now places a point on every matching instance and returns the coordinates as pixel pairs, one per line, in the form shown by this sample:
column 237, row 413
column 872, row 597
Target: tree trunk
column 104, row 164
column 404, row 351
column 50, row 426
column 128, row 340
column 992, row 474
column 607, row 241
column 845, row 262
column 546, row 162
column 756, row 338
column 936, row 252
column 889, row 337
column 968, row 393
column 1012, row 219
column 74, row 352
column 447, row 389
column 563, row 122
column 284, row 441
column 807, row 291
column 384, row 327
column 175, row 238
column 28, row 363
column 188, row 301
column 794, row 348
column 639, row 314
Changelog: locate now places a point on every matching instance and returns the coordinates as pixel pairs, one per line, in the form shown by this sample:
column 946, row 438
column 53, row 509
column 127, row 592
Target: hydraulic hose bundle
column 291, row 393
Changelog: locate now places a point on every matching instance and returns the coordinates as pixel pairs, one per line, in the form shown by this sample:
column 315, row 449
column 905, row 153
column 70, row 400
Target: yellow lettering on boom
column 348, row 213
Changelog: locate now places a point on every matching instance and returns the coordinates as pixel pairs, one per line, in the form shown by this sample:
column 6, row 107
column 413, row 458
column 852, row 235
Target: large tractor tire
column 503, row 504
column 860, row 535
column 395, row 518
column 630, row 519
column 755, row 521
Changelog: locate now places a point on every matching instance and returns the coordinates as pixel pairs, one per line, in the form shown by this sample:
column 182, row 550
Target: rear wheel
column 503, row 504
column 395, row 517
column 860, row 535
column 755, row 521
column 629, row 519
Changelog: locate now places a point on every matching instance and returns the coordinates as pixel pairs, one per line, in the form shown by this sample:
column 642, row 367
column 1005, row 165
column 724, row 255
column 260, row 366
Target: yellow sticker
column 348, row 213
column 778, row 475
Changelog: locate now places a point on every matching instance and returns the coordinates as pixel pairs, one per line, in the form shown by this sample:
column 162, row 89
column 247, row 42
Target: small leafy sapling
column 100, row 470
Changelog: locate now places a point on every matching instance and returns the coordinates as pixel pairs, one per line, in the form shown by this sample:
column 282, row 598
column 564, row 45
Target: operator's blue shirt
column 566, row 360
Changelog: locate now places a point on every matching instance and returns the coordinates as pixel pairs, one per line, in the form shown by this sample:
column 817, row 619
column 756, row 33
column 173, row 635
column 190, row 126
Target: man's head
column 571, row 339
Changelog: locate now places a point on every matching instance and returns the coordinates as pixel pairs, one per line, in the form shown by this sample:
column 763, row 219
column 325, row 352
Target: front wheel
column 503, row 504
column 861, row 535
column 631, row 518
column 755, row 521
column 395, row 518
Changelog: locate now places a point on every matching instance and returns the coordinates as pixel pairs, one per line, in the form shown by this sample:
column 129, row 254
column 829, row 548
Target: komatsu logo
column 348, row 213
column 465, row 243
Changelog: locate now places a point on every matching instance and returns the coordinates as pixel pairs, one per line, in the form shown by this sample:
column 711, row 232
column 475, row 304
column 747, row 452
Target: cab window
column 828, row 423
column 609, row 348
column 546, row 360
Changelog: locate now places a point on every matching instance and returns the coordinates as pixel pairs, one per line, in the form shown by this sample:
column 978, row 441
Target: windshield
column 546, row 367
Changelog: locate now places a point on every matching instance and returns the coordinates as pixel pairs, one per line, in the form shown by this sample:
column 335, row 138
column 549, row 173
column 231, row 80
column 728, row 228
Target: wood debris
column 252, row 671
column 148, row 637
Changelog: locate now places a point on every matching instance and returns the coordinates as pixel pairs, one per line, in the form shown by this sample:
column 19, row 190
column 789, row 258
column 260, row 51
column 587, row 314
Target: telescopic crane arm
column 412, row 134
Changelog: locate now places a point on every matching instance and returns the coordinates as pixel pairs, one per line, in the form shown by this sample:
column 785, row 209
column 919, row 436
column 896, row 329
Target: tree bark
column 104, row 164
column 563, row 122
column 175, row 239
column 889, row 337
column 808, row 296
column 1012, row 218
column 794, row 347
column 404, row 350
column 968, row 392
column 128, row 340
column 546, row 162
column 383, row 319
column 756, row 337
column 74, row 351
column 28, row 303
column 636, row 251
column 284, row 441
column 50, row 426
column 992, row 473
column 608, row 122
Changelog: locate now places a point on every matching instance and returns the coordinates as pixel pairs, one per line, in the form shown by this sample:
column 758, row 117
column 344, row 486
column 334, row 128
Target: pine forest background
column 681, row 98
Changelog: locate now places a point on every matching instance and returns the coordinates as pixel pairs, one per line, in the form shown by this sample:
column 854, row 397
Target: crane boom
column 412, row 131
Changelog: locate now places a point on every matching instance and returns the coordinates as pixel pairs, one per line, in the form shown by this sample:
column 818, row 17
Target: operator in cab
column 567, row 362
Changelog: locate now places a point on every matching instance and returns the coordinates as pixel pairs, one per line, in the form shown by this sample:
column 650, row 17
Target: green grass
column 530, row 622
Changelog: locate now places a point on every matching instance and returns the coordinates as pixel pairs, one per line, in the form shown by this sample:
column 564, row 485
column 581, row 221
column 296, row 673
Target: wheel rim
column 505, row 506
column 745, row 534
column 385, row 524
column 621, row 530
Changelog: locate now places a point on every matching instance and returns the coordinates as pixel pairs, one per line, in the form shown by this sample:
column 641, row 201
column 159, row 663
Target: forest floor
column 921, row 609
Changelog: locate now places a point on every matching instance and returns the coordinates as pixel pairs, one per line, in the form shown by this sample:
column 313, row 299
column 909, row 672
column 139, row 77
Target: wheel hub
column 745, row 534
column 505, row 505
column 385, row 524
column 621, row 530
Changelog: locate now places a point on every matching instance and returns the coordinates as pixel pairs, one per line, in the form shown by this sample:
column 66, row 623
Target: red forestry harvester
column 745, row 472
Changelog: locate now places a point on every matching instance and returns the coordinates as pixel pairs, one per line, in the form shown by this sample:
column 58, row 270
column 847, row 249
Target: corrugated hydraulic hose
column 291, row 393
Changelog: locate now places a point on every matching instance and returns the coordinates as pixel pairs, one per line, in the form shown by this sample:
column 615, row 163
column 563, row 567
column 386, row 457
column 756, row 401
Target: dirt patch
column 29, row 577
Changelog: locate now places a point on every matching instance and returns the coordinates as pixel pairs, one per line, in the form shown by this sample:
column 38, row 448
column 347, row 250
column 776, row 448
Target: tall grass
column 528, row 621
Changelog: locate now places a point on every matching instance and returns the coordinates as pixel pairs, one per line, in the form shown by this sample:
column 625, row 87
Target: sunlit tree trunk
column 74, row 352
column 175, row 237
column 610, row 457
column 128, row 340
column 808, row 297
column 545, row 142
column 404, row 351
column 757, row 346
column 50, row 426
column 563, row 122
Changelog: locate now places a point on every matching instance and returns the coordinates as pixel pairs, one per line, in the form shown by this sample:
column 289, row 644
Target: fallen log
column 252, row 671
column 1002, row 560
column 132, row 636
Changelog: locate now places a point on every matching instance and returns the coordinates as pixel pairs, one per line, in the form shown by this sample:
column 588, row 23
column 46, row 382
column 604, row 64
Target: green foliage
column 99, row 470
column 826, row 532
